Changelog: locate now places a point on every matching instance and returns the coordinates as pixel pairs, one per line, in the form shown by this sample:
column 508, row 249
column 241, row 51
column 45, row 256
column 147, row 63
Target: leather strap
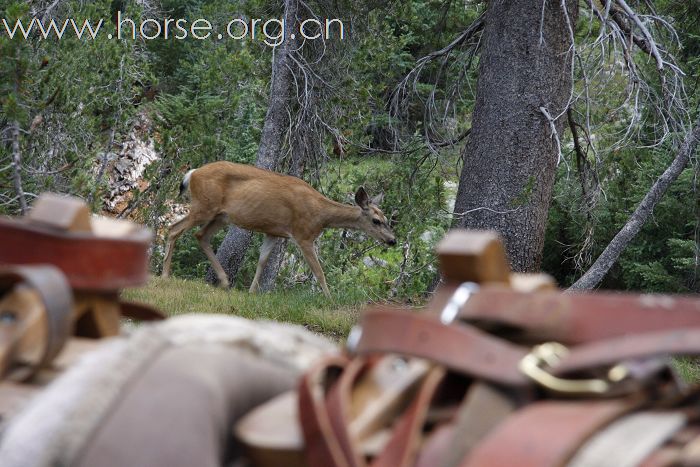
column 338, row 409
column 402, row 449
column 326, row 419
column 90, row 262
column 679, row 342
column 601, row 330
column 55, row 293
column 578, row 317
column 544, row 434
column 473, row 352
column 321, row 447
column 460, row 348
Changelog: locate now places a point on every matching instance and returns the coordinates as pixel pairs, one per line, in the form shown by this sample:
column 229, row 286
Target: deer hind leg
column 268, row 245
column 204, row 238
column 309, row 252
column 177, row 229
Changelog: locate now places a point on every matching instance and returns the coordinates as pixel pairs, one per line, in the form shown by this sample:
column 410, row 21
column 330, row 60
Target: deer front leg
column 309, row 252
column 204, row 239
column 265, row 250
column 176, row 230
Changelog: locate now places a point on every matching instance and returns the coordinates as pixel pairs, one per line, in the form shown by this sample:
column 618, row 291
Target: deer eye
column 376, row 221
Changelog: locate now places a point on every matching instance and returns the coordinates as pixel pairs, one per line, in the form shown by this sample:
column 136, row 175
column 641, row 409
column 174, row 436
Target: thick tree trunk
column 510, row 160
column 612, row 252
column 232, row 251
column 17, row 168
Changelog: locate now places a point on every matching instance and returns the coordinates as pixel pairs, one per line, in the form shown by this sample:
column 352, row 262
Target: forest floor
column 331, row 317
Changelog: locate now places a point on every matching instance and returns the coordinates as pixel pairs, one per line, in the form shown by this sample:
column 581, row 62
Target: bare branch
column 653, row 50
column 467, row 43
column 637, row 220
column 17, row 168
column 553, row 129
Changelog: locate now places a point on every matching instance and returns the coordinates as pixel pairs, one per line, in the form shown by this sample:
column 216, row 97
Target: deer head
column 372, row 220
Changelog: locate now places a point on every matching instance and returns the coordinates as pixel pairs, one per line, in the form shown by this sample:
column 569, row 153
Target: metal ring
column 354, row 338
column 457, row 301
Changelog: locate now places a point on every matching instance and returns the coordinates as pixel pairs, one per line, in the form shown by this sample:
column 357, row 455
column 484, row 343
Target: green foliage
column 663, row 256
column 68, row 97
column 415, row 203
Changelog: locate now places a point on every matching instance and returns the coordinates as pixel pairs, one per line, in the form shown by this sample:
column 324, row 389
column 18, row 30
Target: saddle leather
column 61, row 271
column 95, row 253
column 517, row 377
column 35, row 318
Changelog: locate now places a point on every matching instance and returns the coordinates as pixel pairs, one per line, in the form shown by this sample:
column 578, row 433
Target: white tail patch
column 186, row 181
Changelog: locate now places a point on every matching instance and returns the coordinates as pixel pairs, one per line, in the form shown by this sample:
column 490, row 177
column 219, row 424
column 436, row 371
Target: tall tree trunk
column 634, row 224
column 510, row 159
column 232, row 251
column 17, row 167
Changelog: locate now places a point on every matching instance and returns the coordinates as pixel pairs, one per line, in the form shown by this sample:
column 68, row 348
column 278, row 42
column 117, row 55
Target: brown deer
column 280, row 206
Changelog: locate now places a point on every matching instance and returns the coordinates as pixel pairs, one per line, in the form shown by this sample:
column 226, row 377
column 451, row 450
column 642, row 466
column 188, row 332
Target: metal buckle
column 457, row 301
column 550, row 354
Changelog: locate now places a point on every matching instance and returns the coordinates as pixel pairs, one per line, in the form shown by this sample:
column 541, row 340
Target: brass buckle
column 549, row 354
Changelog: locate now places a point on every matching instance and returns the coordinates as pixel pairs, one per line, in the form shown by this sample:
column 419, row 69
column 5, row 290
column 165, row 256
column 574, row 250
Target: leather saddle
column 61, row 271
column 497, row 370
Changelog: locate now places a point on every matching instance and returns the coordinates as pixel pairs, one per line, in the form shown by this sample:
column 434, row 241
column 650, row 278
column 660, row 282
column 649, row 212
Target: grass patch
column 688, row 369
column 331, row 317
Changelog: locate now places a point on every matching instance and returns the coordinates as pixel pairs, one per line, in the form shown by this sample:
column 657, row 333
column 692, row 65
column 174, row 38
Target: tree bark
column 232, row 251
column 17, row 168
column 511, row 157
column 634, row 224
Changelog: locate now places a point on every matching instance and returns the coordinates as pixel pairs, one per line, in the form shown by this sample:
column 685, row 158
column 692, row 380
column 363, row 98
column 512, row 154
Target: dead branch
column 467, row 43
column 17, row 167
column 637, row 220
column 553, row 130
column 650, row 43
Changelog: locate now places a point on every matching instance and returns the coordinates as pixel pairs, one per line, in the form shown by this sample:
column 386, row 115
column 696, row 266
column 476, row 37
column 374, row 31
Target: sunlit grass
column 332, row 317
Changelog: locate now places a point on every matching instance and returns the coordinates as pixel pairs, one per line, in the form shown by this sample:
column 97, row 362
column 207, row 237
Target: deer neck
column 336, row 215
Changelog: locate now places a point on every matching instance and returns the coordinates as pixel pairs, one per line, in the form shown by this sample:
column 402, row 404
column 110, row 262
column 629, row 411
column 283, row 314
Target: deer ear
column 362, row 198
column 378, row 200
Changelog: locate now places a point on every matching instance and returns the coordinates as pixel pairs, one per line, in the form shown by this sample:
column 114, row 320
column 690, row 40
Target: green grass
column 332, row 317
column 688, row 369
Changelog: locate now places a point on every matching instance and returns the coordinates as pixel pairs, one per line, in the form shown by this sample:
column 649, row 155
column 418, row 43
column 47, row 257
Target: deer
column 279, row 206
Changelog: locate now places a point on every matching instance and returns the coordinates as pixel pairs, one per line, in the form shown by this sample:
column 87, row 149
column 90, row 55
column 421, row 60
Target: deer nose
column 391, row 242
